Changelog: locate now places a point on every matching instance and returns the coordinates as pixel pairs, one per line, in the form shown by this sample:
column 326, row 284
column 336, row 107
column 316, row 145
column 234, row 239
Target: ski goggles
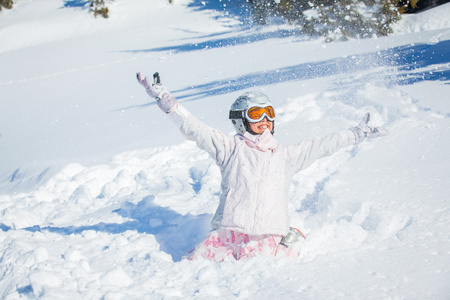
column 255, row 114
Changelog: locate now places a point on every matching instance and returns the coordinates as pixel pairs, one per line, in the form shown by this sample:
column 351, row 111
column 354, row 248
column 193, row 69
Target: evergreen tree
column 6, row 4
column 335, row 20
column 98, row 7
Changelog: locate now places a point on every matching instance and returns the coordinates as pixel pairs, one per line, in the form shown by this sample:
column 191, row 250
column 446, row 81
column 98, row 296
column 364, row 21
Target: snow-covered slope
column 100, row 195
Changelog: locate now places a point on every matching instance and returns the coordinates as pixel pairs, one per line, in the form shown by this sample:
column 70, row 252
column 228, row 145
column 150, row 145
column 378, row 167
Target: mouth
column 263, row 128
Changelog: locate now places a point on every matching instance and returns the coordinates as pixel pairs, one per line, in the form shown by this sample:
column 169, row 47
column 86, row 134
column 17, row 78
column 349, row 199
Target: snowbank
column 101, row 196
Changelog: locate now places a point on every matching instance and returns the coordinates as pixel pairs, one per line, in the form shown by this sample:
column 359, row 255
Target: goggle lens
column 256, row 114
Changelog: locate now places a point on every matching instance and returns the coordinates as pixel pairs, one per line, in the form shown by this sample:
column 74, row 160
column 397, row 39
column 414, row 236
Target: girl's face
column 261, row 126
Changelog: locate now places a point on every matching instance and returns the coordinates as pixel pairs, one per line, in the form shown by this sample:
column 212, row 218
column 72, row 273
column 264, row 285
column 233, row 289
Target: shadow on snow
column 239, row 9
column 77, row 3
column 222, row 42
column 405, row 66
column 177, row 234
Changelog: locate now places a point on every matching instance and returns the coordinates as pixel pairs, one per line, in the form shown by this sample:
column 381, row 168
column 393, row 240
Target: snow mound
column 100, row 196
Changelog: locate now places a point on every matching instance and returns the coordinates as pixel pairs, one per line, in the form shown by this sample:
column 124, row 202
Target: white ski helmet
column 239, row 108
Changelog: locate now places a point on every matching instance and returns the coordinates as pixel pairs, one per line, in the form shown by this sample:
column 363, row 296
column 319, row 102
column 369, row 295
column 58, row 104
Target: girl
column 251, row 218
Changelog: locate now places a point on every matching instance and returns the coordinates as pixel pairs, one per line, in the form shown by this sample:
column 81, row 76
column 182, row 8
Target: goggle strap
column 236, row 114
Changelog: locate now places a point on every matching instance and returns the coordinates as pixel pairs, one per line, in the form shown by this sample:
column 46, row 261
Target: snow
column 100, row 195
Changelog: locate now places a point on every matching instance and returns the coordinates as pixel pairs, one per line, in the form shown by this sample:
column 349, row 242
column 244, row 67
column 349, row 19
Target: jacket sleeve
column 304, row 154
column 216, row 143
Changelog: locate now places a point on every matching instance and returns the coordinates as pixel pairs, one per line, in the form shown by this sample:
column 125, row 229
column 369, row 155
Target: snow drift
column 101, row 196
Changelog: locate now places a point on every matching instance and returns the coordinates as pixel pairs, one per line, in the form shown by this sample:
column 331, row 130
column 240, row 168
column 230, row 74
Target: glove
column 165, row 100
column 363, row 131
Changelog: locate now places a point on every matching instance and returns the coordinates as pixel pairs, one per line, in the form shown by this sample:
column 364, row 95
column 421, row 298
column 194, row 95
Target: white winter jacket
column 256, row 180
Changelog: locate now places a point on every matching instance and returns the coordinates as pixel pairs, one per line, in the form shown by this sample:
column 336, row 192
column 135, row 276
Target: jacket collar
column 263, row 142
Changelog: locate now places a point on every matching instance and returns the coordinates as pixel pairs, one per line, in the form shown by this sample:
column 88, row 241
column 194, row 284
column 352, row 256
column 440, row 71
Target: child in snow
column 251, row 218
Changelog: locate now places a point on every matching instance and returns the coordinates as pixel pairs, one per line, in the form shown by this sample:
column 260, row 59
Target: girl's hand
column 363, row 130
column 165, row 100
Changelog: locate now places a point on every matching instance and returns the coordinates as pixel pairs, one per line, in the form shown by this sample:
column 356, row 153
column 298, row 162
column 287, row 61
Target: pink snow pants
column 226, row 245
